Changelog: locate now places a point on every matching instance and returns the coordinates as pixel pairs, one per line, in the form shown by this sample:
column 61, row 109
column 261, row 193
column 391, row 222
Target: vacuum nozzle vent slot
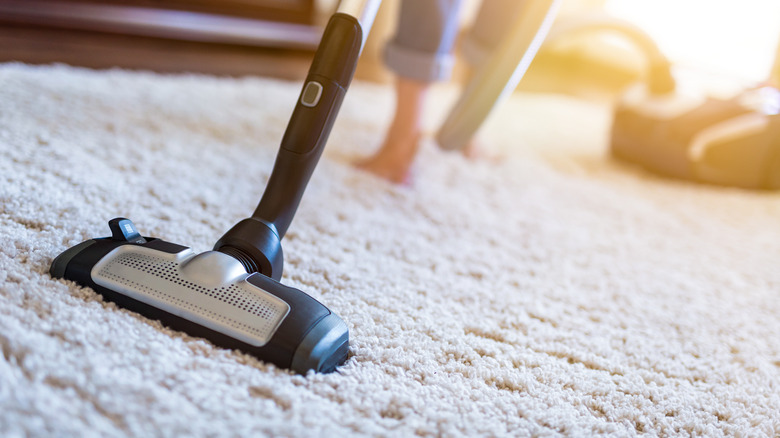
column 237, row 308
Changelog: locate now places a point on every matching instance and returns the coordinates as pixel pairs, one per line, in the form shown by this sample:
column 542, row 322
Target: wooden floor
column 40, row 45
column 549, row 72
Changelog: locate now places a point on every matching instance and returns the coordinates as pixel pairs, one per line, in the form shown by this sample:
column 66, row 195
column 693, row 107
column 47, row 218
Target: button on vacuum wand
column 311, row 94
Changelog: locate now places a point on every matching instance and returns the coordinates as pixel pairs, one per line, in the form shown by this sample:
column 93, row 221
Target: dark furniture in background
column 225, row 37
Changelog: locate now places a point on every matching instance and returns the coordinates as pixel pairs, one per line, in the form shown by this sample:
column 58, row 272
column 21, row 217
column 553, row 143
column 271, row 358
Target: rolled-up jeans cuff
column 418, row 65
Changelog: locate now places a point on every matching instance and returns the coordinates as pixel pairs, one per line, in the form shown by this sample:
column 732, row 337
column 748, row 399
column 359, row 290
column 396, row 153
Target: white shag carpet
column 552, row 293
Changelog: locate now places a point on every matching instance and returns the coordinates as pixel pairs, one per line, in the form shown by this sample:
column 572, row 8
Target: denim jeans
column 421, row 48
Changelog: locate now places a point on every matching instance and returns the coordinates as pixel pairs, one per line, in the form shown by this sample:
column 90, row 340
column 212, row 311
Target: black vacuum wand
column 232, row 295
column 256, row 241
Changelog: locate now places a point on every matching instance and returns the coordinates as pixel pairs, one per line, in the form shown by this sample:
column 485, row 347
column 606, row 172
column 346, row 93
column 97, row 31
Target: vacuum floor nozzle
column 209, row 295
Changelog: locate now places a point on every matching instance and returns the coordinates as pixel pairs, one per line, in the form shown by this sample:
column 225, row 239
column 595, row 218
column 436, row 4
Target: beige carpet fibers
column 552, row 292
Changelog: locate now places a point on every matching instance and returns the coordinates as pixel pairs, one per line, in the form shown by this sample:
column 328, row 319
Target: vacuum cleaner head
column 209, row 295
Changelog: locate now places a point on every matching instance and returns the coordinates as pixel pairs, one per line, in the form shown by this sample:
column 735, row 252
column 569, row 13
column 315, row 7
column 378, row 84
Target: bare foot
column 393, row 160
column 397, row 153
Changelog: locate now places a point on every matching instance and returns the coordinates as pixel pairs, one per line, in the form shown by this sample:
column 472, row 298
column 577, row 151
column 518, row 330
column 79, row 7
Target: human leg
column 394, row 158
column 501, row 53
column 492, row 23
column 419, row 54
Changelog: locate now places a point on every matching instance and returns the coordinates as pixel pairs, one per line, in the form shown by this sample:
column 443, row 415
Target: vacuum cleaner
column 232, row 295
column 728, row 142
column 656, row 125
column 680, row 134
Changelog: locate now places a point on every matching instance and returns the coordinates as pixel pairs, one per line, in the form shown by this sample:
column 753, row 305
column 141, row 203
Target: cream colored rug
column 552, row 293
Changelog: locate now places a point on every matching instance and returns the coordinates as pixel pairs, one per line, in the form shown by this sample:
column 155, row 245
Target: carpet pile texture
column 550, row 292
